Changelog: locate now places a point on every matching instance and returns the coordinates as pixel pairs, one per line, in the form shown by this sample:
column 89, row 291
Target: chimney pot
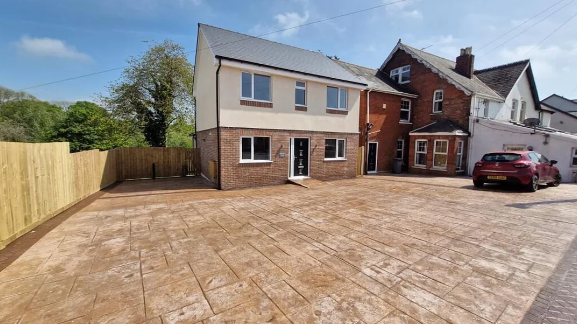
column 465, row 63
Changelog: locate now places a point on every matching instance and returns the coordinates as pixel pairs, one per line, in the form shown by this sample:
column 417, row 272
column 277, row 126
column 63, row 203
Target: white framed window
column 483, row 105
column 336, row 98
column 421, row 153
column 400, row 148
column 335, row 149
column 401, row 74
column 523, row 112
column 255, row 149
column 459, row 162
column 405, row 110
column 438, row 101
column 514, row 106
column 255, row 87
column 301, row 93
column 440, row 152
column 574, row 157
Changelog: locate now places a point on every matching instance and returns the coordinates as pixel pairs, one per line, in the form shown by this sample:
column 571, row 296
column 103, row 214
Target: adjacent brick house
column 266, row 112
column 444, row 100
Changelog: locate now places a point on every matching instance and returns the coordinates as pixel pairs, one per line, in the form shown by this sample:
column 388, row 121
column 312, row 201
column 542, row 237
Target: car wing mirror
column 553, row 162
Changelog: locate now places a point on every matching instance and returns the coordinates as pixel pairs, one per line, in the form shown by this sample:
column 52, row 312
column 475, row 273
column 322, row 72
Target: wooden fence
column 40, row 180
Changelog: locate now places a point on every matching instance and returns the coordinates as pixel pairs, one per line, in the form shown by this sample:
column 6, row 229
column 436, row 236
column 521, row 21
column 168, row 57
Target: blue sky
column 43, row 41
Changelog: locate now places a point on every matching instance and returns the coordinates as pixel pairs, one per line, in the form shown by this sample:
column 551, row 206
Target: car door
column 535, row 158
column 546, row 166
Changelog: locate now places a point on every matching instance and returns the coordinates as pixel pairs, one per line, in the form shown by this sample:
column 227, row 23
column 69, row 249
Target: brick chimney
column 466, row 62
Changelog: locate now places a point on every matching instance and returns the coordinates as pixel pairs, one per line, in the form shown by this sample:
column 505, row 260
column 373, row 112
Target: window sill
column 337, row 111
column 436, row 113
column 405, row 122
column 256, row 103
column 424, row 167
column 337, row 159
column 301, row 108
column 438, row 169
column 405, row 82
column 254, row 161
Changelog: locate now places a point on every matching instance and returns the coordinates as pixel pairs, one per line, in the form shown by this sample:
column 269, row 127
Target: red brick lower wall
column 451, row 156
column 207, row 142
column 237, row 175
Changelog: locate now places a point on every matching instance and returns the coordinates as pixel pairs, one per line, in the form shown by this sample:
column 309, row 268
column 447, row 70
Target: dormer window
column 402, row 74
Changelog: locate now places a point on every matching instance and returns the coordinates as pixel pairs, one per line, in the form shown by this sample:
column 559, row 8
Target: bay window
column 440, row 153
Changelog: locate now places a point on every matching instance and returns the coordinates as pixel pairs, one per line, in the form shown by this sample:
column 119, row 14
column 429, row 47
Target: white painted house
column 499, row 125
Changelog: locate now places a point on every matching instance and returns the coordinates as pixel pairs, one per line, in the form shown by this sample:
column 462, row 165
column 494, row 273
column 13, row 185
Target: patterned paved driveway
column 380, row 249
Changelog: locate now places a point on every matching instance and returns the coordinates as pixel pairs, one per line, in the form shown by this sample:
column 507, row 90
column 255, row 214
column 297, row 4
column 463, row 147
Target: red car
column 526, row 168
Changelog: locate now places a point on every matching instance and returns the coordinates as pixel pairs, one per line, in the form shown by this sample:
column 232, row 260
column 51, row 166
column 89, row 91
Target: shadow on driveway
column 550, row 202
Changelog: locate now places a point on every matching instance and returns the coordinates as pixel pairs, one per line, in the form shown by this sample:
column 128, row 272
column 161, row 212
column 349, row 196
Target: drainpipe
column 218, row 123
column 472, row 119
column 367, row 130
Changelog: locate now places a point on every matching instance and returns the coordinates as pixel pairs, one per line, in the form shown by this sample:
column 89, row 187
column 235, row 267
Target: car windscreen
column 501, row 157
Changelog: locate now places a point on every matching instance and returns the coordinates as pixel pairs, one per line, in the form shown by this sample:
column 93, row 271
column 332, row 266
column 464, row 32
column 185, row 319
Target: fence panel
column 40, row 180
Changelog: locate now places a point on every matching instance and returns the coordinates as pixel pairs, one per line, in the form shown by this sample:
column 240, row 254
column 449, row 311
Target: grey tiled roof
column 561, row 104
column 502, row 78
column 374, row 78
column 446, row 68
column 444, row 125
column 240, row 47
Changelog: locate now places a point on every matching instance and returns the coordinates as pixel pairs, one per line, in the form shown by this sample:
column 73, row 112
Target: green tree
column 11, row 95
column 155, row 90
column 36, row 119
column 88, row 126
column 179, row 133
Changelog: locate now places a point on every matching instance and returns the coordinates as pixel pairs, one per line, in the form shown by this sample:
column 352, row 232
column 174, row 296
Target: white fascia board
column 459, row 133
column 294, row 75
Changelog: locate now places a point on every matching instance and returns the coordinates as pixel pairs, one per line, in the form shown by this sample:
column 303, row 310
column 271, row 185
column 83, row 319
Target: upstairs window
column 402, row 74
column 405, row 110
column 255, row 87
column 335, row 149
column 514, row 109
column 484, row 108
column 300, row 93
column 255, row 149
column 336, row 98
column 438, row 101
column 523, row 111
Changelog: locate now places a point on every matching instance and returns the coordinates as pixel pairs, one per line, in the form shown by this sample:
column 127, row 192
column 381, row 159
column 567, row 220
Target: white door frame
column 376, row 157
column 292, row 159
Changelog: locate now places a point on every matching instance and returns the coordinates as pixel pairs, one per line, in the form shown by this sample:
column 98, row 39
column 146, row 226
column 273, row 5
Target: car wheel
column 557, row 181
column 534, row 184
column 478, row 184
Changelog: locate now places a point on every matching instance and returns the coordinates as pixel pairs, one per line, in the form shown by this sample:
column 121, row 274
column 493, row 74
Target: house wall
column 237, row 175
column 283, row 114
column 563, row 122
column 424, row 82
column 520, row 91
column 204, row 85
column 492, row 136
column 207, row 143
column 387, row 128
column 451, row 155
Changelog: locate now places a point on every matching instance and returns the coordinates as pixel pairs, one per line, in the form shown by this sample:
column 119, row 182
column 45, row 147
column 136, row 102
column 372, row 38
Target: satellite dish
column 532, row 122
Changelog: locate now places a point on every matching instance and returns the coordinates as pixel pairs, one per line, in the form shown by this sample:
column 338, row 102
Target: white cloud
column 50, row 47
column 288, row 21
column 403, row 9
column 291, row 20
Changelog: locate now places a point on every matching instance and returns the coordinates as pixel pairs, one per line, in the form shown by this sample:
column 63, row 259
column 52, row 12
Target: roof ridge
column 361, row 66
column 556, row 95
column 444, row 58
column 267, row 40
column 502, row 66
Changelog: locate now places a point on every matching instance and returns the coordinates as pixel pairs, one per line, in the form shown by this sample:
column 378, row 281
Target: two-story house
column 266, row 112
column 453, row 100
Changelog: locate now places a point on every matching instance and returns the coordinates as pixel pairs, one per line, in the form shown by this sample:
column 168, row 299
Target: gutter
column 218, row 124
